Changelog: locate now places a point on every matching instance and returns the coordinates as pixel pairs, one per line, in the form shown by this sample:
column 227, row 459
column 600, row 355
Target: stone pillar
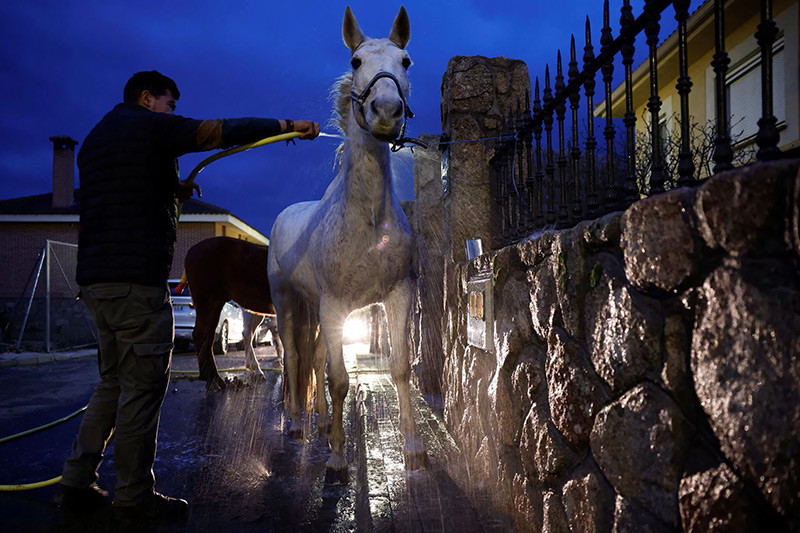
column 477, row 92
column 428, row 230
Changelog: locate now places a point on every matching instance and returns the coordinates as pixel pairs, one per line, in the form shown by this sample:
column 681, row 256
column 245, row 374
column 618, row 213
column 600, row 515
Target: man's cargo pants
column 135, row 329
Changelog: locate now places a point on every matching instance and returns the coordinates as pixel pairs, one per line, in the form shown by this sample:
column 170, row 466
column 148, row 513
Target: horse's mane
column 340, row 96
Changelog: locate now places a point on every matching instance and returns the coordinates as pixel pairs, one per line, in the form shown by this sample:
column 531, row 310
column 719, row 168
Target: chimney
column 63, row 170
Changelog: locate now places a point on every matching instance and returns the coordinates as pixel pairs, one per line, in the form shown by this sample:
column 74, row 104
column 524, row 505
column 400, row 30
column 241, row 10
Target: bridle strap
column 358, row 101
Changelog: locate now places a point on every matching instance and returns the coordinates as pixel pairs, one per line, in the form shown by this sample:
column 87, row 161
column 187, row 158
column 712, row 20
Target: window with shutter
column 743, row 86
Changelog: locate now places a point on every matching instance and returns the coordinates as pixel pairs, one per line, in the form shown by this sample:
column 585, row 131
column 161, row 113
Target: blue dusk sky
column 64, row 63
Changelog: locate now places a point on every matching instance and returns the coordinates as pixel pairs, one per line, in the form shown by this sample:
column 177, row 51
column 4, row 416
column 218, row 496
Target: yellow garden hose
column 31, row 486
column 239, row 369
column 242, row 148
column 51, row 424
column 236, row 150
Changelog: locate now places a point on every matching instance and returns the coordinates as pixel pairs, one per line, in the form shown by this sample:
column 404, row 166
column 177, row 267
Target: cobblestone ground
column 227, row 453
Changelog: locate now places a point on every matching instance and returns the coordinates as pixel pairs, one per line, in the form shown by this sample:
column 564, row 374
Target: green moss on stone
column 594, row 275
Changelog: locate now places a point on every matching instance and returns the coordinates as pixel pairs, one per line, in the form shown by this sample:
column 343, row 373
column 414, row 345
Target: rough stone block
column 675, row 373
column 543, row 450
column 602, row 232
column 623, row 328
column 575, row 392
column 714, row 501
column 555, row 519
column 543, row 298
column 660, row 254
column 527, row 505
column 569, row 263
column 513, row 329
column 528, row 378
column 588, row 501
column 741, row 211
column 746, row 365
column 508, row 416
column 640, row 442
column 632, row 517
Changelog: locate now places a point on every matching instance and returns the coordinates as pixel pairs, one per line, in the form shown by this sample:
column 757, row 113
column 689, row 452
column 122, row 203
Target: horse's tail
column 306, row 329
column 184, row 281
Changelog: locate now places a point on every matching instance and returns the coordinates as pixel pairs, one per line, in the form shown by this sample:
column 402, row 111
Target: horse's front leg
column 290, row 369
column 321, row 401
column 332, row 315
column 206, row 319
column 398, row 304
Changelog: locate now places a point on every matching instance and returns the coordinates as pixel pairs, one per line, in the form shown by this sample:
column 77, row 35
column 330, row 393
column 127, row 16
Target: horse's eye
column 355, row 63
column 406, row 63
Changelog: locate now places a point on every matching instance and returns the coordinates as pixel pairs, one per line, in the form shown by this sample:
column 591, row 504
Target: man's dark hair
column 149, row 80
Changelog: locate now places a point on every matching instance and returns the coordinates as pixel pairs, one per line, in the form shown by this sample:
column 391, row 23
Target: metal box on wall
column 480, row 313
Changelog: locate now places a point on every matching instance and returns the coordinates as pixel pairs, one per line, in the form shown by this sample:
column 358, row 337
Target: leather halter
column 359, row 99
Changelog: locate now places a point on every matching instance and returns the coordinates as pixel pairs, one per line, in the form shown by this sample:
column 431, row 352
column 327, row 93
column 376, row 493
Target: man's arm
column 181, row 135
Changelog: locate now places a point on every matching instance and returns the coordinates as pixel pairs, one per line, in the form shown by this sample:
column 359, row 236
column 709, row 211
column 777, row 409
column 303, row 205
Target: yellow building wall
column 702, row 75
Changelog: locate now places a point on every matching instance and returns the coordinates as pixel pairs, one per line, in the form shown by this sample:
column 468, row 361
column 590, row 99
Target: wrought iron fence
column 539, row 183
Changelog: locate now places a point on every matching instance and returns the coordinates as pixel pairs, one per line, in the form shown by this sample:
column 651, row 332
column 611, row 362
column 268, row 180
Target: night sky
column 63, row 66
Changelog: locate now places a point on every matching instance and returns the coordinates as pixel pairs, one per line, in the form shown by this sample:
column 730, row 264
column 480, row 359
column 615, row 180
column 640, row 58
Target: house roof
column 42, row 204
column 39, row 208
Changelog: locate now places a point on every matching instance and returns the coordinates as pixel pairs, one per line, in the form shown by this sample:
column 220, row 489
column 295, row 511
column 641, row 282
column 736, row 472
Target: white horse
column 350, row 249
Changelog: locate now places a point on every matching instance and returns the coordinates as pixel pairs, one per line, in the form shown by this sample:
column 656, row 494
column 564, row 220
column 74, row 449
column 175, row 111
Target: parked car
column 228, row 330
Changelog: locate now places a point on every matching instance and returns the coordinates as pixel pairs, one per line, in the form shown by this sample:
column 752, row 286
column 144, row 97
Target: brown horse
column 222, row 269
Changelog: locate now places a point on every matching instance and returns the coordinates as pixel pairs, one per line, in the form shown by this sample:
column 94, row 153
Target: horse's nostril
column 397, row 110
column 374, row 107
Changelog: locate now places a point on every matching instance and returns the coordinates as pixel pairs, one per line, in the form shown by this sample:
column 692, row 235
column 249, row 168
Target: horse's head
column 379, row 90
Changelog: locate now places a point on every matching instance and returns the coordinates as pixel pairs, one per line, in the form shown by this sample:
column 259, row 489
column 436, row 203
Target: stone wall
column 644, row 373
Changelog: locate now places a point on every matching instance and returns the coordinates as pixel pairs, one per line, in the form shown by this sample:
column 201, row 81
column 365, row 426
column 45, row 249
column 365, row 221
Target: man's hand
column 185, row 189
column 308, row 128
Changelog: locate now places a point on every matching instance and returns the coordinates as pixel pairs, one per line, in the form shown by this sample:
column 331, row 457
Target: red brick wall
column 189, row 234
column 20, row 244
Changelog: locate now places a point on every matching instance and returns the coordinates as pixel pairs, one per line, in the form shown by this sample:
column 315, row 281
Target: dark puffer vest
column 127, row 195
column 128, row 174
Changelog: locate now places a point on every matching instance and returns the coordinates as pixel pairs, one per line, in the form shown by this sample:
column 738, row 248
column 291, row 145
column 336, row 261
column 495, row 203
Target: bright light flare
column 355, row 329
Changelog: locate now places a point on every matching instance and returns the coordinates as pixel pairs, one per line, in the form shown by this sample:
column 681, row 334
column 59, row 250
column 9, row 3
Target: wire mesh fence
column 48, row 315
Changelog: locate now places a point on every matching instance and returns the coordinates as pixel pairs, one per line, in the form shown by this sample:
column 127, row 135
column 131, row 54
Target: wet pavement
column 227, row 453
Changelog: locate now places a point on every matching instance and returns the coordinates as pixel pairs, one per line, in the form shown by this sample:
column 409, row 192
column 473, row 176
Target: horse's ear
column 401, row 29
column 351, row 33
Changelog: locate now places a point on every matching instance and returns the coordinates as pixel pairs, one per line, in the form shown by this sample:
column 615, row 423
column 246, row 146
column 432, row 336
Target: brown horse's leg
column 251, row 322
column 207, row 316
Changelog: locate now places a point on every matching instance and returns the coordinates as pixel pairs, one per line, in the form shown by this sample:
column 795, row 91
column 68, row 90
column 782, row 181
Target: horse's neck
column 367, row 171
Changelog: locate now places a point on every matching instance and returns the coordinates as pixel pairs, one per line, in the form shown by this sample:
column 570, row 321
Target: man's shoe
column 91, row 498
column 155, row 508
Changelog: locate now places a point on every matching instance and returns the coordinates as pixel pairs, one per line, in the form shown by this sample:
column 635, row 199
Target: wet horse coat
column 353, row 247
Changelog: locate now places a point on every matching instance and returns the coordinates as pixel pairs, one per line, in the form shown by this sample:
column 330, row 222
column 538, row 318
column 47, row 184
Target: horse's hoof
column 216, row 384
column 336, row 476
column 417, row 460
